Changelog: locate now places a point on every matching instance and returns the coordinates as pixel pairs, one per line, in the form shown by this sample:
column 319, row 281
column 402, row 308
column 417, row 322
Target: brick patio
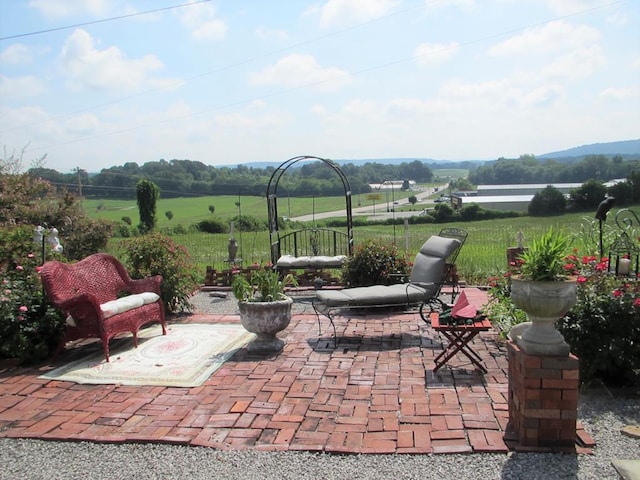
column 375, row 393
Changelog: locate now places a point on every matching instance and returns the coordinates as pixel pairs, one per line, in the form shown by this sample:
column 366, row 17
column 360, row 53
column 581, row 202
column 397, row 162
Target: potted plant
column 545, row 290
column 264, row 307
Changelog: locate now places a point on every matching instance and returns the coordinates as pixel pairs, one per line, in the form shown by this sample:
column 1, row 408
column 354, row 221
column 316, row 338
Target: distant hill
column 626, row 147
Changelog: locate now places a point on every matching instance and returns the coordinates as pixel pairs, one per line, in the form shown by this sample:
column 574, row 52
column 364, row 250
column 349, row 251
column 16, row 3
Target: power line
column 111, row 19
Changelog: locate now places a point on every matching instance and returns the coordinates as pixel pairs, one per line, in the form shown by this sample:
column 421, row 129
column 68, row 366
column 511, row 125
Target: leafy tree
column 549, row 201
column 126, row 220
column 168, row 214
column 148, row 194
column 212, row 209
column 588, row 195
column 412, row 199
column 443, row 212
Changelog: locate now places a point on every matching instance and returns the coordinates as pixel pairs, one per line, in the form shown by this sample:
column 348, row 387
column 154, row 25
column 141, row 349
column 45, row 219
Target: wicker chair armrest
column 148, row 284
column 84, row 305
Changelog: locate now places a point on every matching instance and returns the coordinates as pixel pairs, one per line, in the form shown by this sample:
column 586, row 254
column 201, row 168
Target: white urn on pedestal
column 544, row 302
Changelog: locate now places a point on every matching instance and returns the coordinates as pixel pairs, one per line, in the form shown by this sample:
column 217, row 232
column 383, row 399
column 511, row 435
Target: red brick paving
column 374, row 393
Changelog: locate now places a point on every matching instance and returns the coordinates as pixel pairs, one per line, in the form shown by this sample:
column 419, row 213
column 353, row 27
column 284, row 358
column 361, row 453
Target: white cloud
column 265, row 33
column 202, row 22
column 542, row 96
column 66, row 8
column 16, row 54
column 569, row 7
column 348, row 12
column 435, row 53
column 622, row 93
column 551, row 37
column 298, row 70
column 575, row 65
column 82, row 125
column 442, row 4
column 107, row 69
column 20, row 87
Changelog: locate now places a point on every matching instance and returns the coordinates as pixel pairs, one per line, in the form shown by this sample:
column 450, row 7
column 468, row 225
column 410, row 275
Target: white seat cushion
column 316, row 261
column 113, row 307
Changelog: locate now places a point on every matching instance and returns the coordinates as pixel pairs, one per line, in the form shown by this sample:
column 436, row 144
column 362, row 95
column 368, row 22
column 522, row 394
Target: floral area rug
column 185, row 357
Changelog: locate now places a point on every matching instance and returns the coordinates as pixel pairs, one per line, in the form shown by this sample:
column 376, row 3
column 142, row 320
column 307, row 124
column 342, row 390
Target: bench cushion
column 399, row 294
column 316, row 261
column 123, row 304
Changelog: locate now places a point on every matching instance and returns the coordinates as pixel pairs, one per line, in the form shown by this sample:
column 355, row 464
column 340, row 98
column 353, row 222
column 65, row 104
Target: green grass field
column 483, row 255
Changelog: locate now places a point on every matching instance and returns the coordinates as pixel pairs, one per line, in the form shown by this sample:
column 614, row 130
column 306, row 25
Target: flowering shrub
column 157, row 254
column 375, row 264
column 30, row 328
column 603, row 327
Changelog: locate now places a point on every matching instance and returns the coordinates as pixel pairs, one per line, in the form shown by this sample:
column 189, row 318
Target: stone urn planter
column 264, row 308
column 545, row 290
column 266, row 319
column 544, row 302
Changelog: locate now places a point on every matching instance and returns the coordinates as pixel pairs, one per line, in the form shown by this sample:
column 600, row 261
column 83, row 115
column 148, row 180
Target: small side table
column 459, row 337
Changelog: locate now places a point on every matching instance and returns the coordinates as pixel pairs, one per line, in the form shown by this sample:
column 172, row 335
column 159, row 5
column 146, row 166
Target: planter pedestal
column 543, row 401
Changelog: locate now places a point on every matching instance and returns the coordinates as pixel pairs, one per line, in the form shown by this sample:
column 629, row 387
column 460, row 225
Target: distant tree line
column 178, row 178
column 528, row 169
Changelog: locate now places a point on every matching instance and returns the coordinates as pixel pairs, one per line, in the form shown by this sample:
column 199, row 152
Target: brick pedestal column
column 543, row 400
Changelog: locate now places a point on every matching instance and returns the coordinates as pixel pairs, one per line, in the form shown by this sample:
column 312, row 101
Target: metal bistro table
column 459, row 337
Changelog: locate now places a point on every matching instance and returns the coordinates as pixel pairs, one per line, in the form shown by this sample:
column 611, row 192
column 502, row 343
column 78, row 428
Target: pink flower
column 30, row 255
column 23, row 309
column 20, row 268
column 617, row 293
column 581, row 279
column 636, row 303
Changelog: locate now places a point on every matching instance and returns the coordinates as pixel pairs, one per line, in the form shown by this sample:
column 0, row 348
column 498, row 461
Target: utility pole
column 78, row 171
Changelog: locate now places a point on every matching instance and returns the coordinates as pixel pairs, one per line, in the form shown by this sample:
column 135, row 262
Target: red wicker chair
column 79, row 289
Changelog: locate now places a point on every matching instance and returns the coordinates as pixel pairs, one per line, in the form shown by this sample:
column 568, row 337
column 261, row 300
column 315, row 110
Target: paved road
column 380, row 208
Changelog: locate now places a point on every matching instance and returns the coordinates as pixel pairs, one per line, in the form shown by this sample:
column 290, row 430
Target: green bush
column 211, row 226
column 375, row 264
column 603, row 328
column 85, row 237
column 30, row 328
column 249, row 223
column 157, row 254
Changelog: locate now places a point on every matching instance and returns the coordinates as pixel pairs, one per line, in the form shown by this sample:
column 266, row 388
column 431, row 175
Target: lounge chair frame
column 423, row 295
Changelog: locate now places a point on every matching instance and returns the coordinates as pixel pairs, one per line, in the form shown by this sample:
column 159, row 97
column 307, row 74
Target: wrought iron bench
column 315, row 248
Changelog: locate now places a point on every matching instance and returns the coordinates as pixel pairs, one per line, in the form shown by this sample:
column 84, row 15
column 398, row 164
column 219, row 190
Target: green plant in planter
column 263, row 285
column 546, row 259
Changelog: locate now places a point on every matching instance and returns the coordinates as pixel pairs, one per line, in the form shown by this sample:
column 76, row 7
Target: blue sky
column 231, row 82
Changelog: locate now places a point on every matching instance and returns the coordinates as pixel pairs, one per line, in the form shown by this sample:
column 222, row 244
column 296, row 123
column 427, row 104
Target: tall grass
column 483, row 255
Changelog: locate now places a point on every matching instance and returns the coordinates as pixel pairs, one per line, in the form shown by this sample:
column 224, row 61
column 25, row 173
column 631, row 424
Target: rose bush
column 30, row 328
column 603, row 328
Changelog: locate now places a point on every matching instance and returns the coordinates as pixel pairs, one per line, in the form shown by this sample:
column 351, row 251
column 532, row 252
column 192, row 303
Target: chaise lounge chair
column 433, row 267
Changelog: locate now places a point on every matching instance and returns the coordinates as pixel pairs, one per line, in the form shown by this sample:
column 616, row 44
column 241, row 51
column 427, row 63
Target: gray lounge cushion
column 399, row 294
column 426, row 276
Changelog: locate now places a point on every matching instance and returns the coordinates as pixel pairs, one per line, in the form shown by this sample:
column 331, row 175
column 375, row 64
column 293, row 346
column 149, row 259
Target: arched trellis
column 272, row 202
